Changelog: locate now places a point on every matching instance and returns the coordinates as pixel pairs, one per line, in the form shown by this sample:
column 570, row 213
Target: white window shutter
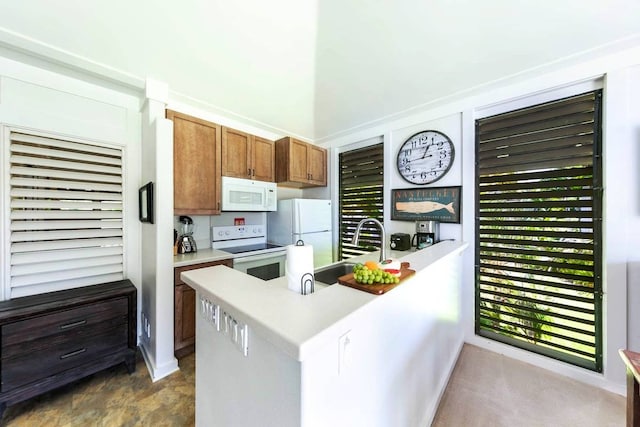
column 66, row 214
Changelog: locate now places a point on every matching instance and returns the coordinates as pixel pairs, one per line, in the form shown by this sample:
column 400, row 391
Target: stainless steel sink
column 329, row 274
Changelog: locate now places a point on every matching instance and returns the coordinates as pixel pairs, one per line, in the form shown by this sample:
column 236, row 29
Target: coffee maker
column 186, row 242
column 427, row 233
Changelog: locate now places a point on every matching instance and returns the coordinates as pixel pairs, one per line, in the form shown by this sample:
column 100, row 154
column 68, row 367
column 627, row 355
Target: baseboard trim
column 158, row 372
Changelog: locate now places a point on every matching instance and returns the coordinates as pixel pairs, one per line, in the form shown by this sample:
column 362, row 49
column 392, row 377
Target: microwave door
column 245, row 195
column 245, row 199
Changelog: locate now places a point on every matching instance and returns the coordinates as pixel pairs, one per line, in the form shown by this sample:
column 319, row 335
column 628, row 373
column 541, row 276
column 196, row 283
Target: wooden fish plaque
column 426, row 204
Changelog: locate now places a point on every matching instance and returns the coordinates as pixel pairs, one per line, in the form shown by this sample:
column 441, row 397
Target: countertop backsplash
column 203, row 223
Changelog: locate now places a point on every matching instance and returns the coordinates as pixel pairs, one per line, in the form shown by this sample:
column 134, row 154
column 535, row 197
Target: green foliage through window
column 538, row 229
column 361, row 196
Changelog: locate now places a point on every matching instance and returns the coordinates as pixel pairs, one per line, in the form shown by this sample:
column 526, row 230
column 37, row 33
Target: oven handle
column 259, row 257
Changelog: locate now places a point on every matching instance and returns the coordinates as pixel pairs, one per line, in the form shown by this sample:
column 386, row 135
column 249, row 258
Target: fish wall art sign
column 426, row 204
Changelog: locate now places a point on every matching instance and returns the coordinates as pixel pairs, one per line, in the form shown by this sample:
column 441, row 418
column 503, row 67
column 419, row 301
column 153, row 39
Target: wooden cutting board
column 374, row 288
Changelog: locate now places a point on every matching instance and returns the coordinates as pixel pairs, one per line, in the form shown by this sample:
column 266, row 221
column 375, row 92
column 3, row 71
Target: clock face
column 425, row 157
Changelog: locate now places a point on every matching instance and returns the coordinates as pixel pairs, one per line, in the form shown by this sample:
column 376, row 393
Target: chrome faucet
column 356, row 235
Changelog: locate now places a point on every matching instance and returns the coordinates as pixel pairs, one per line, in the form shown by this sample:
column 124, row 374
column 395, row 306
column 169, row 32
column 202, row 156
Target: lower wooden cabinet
column 184, row 320
column 52, row 339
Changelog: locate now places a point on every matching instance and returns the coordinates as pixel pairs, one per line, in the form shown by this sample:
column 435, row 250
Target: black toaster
column 400, row 242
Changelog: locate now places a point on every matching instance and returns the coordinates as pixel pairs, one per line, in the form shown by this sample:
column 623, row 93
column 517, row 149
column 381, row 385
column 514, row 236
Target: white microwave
column 248, row 195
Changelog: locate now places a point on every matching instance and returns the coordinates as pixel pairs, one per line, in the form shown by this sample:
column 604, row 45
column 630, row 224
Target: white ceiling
column 317, row 68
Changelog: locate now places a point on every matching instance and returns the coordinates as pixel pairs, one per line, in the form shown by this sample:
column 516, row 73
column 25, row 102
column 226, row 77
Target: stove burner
column 250, row 248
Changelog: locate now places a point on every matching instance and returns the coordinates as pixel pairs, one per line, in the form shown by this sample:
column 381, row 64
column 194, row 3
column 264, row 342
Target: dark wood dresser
column 52, row 339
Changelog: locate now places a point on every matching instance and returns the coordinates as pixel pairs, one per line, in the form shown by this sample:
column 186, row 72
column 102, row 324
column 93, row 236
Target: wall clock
column 425, row 157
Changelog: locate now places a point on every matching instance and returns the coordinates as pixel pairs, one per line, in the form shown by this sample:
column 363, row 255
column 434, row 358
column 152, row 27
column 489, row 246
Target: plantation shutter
column 66, row 214
column 361, row 196
column 539, row 214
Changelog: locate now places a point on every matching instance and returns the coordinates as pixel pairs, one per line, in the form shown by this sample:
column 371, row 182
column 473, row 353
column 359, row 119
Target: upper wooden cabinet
column 299, row 164
column 247, row 156
column 196, row 165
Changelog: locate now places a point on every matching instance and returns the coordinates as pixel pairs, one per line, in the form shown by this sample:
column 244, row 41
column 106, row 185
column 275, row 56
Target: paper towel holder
column 307, row 279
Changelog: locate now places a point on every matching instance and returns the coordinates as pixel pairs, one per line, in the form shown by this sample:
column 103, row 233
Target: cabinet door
column 236, row 149
column 317, row 165
column 184, row 320
column 298, row 157
column 196, row 165
column 263, row 159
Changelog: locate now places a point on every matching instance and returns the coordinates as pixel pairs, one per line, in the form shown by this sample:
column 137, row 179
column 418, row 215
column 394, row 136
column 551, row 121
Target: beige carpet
column 487, row 389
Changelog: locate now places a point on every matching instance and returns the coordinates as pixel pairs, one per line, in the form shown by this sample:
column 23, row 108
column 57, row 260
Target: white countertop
column 202, row 255
column 298, row 323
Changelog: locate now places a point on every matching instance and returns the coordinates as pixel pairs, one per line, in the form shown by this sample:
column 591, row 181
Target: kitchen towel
column 299, row 268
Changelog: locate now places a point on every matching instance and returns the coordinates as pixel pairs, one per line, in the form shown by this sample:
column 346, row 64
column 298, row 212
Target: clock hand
column 425, row 152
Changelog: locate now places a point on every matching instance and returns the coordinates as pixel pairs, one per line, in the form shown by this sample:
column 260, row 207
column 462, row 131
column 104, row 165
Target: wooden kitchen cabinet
column 196, row 165
column 247, row 156
column 299, row 164
column 184, row 320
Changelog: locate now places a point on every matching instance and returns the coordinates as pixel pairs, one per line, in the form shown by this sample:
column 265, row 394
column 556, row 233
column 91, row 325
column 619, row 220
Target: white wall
column 622, row 198
column 398, row 364
column 629, row 159
column 157, row 306
column 32, row 98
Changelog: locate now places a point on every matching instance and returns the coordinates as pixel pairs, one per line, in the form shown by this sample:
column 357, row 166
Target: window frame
column 596, row 214
column 346, row 231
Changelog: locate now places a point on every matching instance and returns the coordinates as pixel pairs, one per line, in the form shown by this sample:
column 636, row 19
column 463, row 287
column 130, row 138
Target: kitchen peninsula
column 338, row 357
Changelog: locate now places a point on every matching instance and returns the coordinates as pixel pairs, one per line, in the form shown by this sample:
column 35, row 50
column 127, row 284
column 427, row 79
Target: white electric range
column 251, row 252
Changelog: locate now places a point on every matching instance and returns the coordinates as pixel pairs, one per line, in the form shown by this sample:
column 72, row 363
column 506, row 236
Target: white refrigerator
column 308, row 220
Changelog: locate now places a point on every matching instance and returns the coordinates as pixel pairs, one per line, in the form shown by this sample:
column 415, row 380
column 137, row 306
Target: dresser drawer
column 78, row 335
column 61, row 354
column 65, row 321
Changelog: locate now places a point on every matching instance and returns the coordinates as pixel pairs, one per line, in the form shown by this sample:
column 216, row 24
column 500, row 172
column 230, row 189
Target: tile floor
column 113, row 398
column 485, row 389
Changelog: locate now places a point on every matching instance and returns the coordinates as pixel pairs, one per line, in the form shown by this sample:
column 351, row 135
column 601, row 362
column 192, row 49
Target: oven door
column 264, row 266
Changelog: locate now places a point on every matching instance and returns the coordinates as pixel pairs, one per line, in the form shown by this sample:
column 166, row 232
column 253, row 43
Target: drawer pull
column 73, row 324
column 73, row 353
